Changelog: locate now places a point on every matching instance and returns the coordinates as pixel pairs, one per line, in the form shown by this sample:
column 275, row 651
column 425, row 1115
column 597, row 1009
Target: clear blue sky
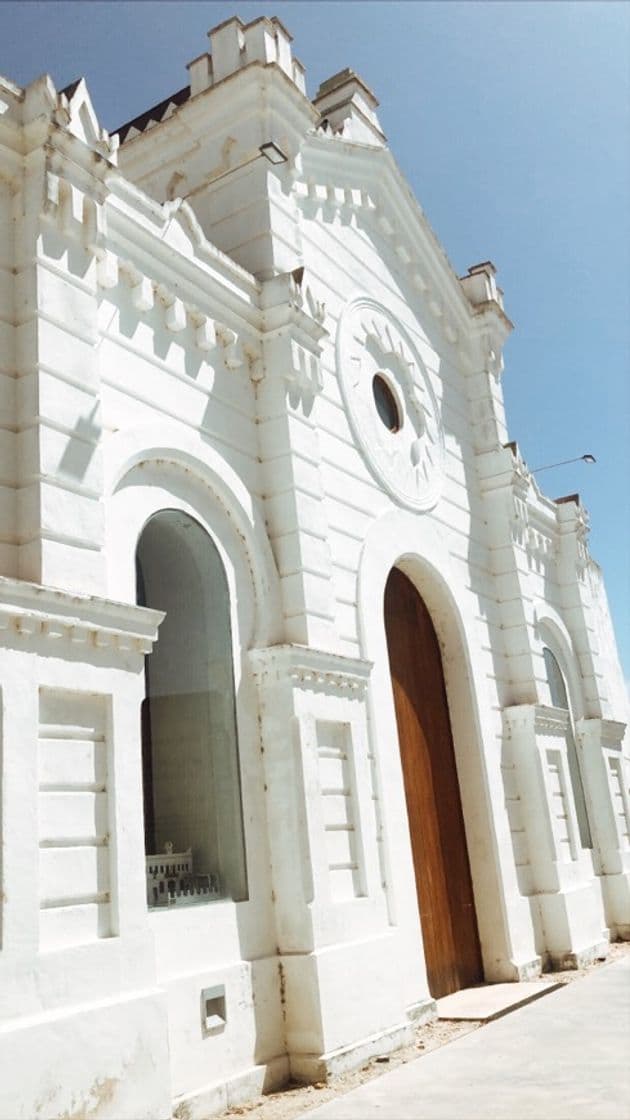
column 511, row 121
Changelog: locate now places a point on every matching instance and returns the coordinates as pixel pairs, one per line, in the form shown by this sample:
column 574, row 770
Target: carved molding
column 306, row 668
column 549, row 720
column 409, row 460
column 28, row 610
column 291, row 333
column 608, row 733
column 538, row 718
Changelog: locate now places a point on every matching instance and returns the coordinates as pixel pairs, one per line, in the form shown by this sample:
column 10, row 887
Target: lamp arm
column 563, row 463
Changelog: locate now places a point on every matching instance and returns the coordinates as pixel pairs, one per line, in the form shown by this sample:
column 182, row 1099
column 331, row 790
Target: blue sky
column 511, row 122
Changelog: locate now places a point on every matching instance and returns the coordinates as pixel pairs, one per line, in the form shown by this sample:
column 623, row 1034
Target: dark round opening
column 385, row 402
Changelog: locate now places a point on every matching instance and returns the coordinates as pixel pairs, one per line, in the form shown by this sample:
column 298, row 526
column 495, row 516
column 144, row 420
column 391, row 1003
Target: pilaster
column 9, row 199
column 606, row 778
column 77, row 967
column 69, row 853
column 574, row 563
column 331, row 915
column 490, row 330
column 60, row 511
column 503, row 480
column 504, row 485
column 290, row 460
column 564, row 890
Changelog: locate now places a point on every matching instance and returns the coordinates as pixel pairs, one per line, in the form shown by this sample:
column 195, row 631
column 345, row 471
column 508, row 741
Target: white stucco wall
column 142, row 368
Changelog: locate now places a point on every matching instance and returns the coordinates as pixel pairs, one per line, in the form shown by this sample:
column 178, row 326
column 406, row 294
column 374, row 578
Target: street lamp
column 273, row 152
column 270, row 150
column 580, row 459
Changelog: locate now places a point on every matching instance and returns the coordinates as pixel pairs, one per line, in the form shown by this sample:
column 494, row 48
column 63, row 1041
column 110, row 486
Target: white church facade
column 311, row 710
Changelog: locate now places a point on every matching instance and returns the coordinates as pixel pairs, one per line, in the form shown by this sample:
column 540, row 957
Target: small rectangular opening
column 213, row 1017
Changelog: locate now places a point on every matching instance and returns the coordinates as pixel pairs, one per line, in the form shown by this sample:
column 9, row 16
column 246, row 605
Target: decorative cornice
column 550, row 720
column 76, row 212
column 312, row 669
column 28, row 610
column 282, row 301
column 539, row 718
column 291, row 336
column 609, row 732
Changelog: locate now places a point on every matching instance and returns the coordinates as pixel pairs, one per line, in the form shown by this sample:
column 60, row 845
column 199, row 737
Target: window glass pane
column 385, row 402
column 190, row 751
column 559, row 699
column 555, row 681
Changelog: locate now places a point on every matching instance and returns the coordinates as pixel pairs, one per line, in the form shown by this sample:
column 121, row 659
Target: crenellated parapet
column 228, row 142
column 235, row 45
column 347, row 107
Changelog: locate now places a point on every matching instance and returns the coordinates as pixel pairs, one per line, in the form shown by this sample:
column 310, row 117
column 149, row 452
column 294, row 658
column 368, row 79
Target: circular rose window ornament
column 390, row 403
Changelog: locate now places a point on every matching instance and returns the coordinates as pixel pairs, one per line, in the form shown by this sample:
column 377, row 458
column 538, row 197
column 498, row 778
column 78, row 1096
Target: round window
column 385, row 402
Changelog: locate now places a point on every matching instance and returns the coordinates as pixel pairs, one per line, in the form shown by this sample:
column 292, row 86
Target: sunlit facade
column 311, row 706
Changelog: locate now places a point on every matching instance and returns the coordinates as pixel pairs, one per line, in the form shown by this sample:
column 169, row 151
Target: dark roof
column 71, row 89
column 156, row 113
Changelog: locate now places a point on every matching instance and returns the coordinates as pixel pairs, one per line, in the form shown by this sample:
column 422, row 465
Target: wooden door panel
column 438, row 841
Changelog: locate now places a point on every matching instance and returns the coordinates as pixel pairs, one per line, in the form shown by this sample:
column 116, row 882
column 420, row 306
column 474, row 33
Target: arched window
column 559, row 699
column 192, row 800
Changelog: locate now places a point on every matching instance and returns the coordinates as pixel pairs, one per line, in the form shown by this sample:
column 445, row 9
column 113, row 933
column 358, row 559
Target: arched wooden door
column 438, row 840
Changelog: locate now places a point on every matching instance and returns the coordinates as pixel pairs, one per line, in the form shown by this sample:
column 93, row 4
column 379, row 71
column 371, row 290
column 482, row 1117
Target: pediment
column 83, row 121
column 365, row 187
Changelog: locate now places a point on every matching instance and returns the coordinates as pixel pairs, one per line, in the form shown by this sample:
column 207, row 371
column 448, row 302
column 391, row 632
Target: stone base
column 514, row 971
column 107, row 1058
column 217, row 1097
column 527, row 970
column 308, row 1068
column 423, row 1012
column 561, row 962
column 616, row 895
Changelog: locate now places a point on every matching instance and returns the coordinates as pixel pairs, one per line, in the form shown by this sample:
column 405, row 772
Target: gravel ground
column 295, row 1099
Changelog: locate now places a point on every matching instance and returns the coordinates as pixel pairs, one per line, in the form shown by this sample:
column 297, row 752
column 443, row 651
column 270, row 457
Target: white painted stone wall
column 214, row 356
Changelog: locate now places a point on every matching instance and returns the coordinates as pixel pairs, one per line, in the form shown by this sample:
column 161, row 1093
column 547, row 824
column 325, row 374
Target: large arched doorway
column 438, row 840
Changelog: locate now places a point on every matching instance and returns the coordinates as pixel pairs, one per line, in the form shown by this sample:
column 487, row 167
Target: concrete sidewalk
column 564, row 1057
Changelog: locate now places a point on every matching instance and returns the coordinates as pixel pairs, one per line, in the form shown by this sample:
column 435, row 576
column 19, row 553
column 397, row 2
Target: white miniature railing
column 171, row 880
